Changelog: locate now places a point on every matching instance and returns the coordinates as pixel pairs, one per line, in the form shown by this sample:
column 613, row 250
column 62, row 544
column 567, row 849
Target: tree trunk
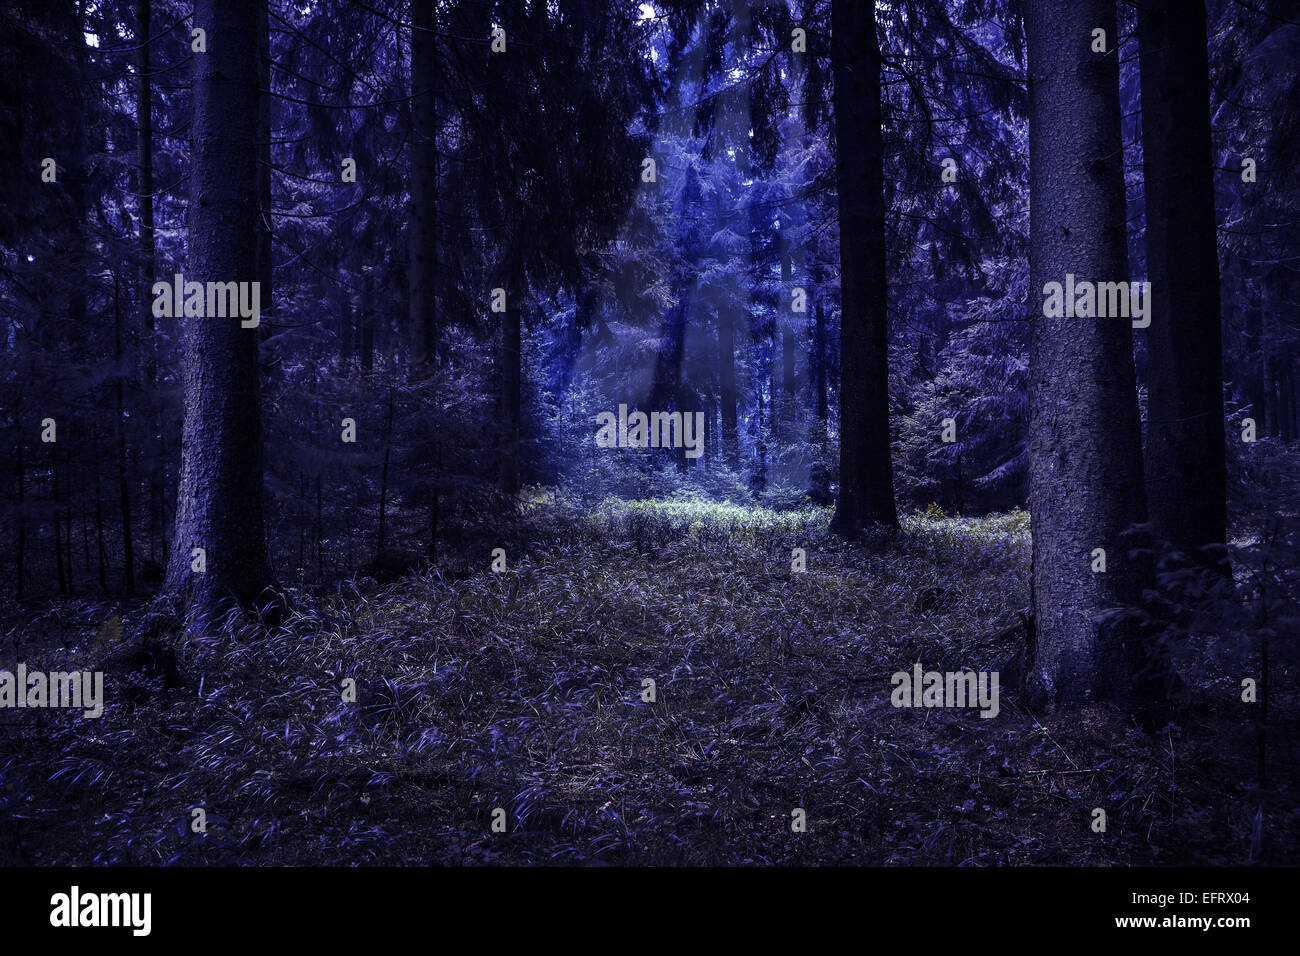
column 381, row 537
column 85, row 535
column 58, row 528
column 1186, row 471
column 764, row 377
column 672, row 351
column 101, row 551
column 265, row 252
column 435, row 510
column 219, row 503
column 346, row 334
column 727, row 383
column 1253, row 371
column 367, row 331
column 787, row 370
column 320, row 531
column 144, row 203
column 511, row 382
column 67, row 514
column 1085, row 468
column 866, row 495
column 79, row 259
column 123, row 479
column 710, row 457
column 789, row 325
column 820, row 376
column 21, row 557
column 1292, row 424
column 423, row 223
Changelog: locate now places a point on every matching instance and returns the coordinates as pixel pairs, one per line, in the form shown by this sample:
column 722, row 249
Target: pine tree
column 866, row 495
column 1186, row 471
column 1085, row 455
column 219, row 505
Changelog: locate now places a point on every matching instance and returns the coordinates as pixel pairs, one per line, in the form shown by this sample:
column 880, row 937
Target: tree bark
column 1186, row 470
column 424, row 183
column 265, row 251
column 727, row 384
column 820, row 361
column 144, row 205
column 346, row 334
column 1086, row 484
column 788, row 326
column 366, row 332
column 787, row 374
column 511, row 360
column 123, row 472
column 866, row 494
column 101, row 550
column 20, row 559
column 382, row 534
column 219, row 503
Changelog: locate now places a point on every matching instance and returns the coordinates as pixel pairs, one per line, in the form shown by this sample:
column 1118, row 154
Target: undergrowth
column 523, row 690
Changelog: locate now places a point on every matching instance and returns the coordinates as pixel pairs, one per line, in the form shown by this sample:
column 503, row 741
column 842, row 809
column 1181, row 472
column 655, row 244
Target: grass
column 523, row 691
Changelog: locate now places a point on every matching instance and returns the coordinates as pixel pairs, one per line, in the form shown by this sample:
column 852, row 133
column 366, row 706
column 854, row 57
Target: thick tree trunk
column 1086, row 483
column 669, row 390
column 219, row 504
column 423, row 223
column 1186, row 472
column 672, row 351
column 866, row 495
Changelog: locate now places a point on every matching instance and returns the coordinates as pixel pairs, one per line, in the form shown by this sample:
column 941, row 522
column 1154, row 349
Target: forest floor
column 523, row 690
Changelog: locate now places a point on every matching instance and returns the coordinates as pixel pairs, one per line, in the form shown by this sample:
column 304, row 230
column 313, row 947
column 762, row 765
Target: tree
column 1185, row 451
column 1085, row 471
column 424, row 182
column 866, row 495
column 265, row 247
column 219, row 505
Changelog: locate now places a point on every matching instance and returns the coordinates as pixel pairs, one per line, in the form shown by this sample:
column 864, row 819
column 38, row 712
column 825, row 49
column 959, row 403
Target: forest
column 681, row 432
